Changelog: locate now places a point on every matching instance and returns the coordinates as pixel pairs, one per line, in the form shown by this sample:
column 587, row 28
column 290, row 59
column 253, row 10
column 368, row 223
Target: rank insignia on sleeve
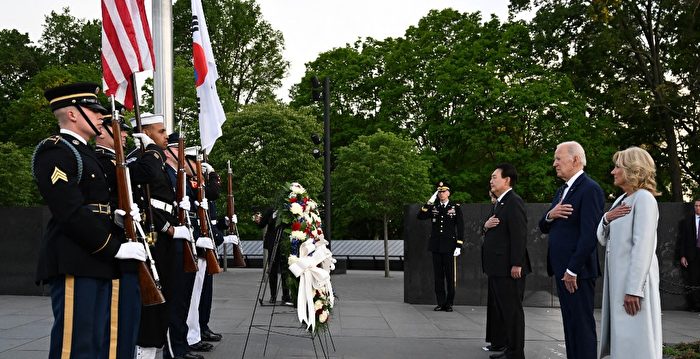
column 58, row 175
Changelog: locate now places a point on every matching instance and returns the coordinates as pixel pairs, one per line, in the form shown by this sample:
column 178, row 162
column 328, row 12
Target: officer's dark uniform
column 275, row 263
column 129, row 293
column 167, row 252
column 447, row 234
column 77, row 252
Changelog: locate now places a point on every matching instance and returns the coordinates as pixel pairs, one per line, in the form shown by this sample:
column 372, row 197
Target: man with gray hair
column 571, row 222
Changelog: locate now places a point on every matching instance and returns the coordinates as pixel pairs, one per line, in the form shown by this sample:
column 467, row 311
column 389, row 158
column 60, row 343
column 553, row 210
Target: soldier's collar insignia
column 58, row 175
column 76, row 142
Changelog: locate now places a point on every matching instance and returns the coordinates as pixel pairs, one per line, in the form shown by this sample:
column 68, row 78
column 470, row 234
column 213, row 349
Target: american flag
column 127, row 47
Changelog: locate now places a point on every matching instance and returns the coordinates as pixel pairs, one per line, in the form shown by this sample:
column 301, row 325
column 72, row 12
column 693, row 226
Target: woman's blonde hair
column 638, row 168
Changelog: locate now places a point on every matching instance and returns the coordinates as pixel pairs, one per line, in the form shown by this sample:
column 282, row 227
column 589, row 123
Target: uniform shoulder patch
column 58, row 175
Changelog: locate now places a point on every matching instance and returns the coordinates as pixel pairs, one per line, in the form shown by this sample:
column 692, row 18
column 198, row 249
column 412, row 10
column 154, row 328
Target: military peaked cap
column 78, row 94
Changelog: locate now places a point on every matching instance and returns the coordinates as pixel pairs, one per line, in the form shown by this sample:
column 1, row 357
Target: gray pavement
column 370, row 320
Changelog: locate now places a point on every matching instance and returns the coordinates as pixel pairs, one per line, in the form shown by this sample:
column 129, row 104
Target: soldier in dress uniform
column 140, row 171
column 446, row 239
column 162, row 324
column 78, row 251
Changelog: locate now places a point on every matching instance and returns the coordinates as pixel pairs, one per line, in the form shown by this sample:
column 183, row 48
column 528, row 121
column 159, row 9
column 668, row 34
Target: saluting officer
column 446, row 239
column 78, row 251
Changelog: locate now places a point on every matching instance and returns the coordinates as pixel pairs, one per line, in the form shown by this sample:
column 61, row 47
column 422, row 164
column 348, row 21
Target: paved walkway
column 370, row 321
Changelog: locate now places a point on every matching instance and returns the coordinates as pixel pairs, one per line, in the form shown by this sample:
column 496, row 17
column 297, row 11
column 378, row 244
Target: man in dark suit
column 275, row 262
column 505, row 259
column 689, row 250
column 446, row 239
column 571, row 223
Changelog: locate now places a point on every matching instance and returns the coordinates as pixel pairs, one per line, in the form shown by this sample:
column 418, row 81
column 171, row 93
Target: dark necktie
column 560, row 197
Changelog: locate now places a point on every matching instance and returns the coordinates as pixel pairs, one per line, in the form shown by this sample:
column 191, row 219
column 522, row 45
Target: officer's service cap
column 173, row 139
column 77, row 94
column 148, row 119
column 442, row 186
column 107, row 119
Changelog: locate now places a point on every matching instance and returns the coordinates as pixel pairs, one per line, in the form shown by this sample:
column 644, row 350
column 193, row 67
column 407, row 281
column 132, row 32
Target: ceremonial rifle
column 149, row 281
column 238, row 260
column 189, row 258
column 211, row 257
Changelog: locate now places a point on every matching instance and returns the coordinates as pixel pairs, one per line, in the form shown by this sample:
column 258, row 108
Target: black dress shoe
column 498, row 355
column 209, row 336
column 201, row 347
column 438, row 308
column 447, row 309
column 494, row 348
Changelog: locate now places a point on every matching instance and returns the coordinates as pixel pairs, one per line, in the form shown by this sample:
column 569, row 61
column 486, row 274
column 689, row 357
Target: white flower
column 296, row 209
column 298, row 235
column 297, row 188
column 311, row 205
column 318, row 305
column 323, row 316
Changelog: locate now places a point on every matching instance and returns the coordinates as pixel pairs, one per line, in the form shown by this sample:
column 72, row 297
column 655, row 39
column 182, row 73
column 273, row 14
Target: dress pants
column 693, row 279
column 495, row 328
column 205, row 303
column 443, row 269
column 509, row 304
column 129, row 315
column 81, row 311
column 276, row 267
column 579, row 323
column 179, row 295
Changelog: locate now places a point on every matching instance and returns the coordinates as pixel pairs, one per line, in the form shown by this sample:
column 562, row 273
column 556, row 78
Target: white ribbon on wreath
column 312, row 277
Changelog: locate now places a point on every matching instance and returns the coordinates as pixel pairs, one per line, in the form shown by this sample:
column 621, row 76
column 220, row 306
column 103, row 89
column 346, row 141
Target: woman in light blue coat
column 631, row 315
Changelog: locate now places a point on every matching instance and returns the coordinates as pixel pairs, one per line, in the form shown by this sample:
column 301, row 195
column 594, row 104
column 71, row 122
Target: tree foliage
column 374, row 178
column 469, row 93
column 69, row 40
column 15, row 175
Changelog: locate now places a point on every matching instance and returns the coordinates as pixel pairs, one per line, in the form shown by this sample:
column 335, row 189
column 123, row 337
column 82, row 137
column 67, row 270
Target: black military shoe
column 201, row 347
column 189, row 356
column 438, row 308
column 209, row 336
column 447, row 309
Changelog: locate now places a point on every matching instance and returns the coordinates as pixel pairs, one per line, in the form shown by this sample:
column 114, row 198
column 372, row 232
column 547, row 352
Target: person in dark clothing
column 275, row 264
column 446, row 239
column 689, row 250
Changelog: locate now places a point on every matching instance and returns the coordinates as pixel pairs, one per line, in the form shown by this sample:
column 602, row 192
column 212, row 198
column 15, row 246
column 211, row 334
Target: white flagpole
column 163, row 49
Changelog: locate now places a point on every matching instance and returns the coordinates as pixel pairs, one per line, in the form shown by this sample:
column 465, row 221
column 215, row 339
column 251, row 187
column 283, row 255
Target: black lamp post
column 323, row 93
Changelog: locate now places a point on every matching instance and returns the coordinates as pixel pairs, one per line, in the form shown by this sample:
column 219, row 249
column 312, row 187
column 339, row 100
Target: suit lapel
column 574, row 186
column 499, row 204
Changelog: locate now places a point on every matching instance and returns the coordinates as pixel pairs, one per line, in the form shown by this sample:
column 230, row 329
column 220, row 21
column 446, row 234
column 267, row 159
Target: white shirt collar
column 503, row 194
column 444, row 204
column 573, row 179
column 77, row 137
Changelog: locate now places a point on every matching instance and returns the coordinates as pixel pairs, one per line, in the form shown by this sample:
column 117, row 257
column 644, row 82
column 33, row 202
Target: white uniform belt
column 162, row 205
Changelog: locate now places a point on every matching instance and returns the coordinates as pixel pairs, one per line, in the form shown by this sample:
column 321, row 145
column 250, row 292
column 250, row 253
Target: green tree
column 375, row 177
column 19, row 61
column 248, row 51
column 636, row 62
column 68, row 40
column 268, row 145
column 17, row 186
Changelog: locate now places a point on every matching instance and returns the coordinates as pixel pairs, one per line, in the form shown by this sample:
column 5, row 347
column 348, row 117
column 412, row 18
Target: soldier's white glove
column 432, row 198
column 140, row 138
column 207, row 168
column 205, row 242
column 120, row 213
column 135, row 213
column 204, row 204
column 458, row 251
column 234, row 219
column 232, row 239
column 182, row 232
column 131, row 250
column 185, row 203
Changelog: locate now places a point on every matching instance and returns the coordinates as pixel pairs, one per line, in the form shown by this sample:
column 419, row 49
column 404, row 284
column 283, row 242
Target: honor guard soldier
column 78, row 251
column 446, row 239
column 163, row 324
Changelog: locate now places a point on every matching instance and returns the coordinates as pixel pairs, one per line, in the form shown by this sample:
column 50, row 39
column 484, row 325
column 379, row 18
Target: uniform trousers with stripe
column 129, row 315
column 82, row 327
column 193, row 330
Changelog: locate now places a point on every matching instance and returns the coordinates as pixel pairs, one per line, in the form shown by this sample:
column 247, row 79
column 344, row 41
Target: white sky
column 309, row 26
